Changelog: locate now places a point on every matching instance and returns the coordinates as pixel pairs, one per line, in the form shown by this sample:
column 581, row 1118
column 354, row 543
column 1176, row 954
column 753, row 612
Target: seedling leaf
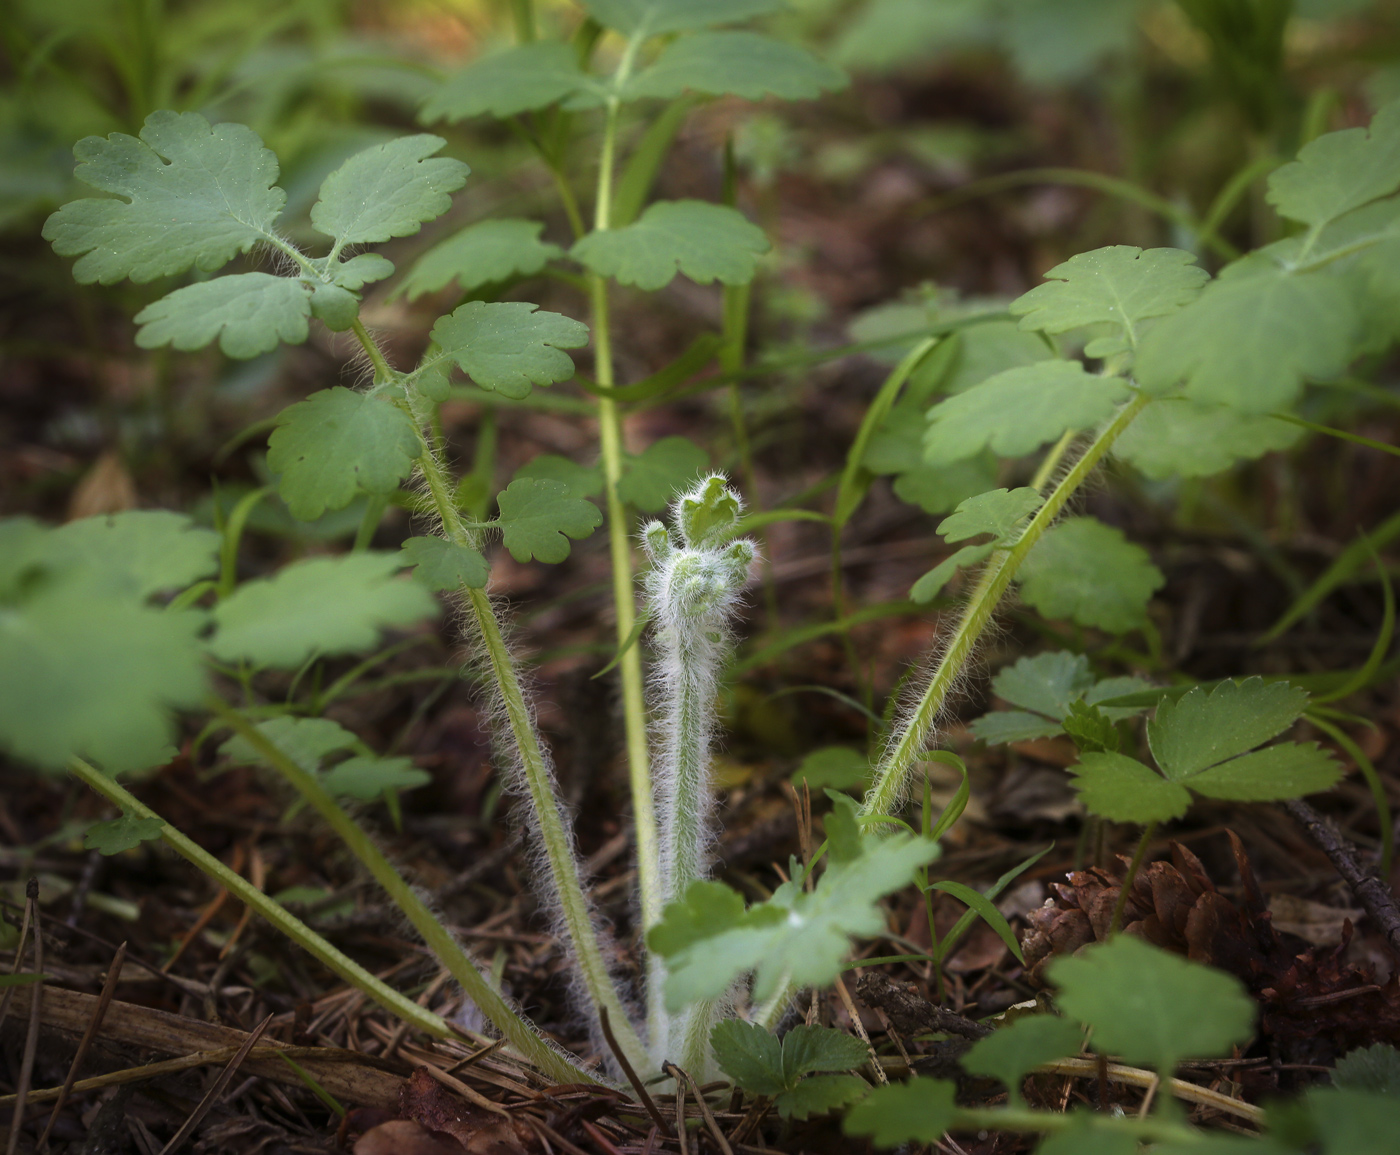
column 652, row 479
column 742, row 64
column 1013, row 1051
column 508, row 346
column 445, row 565
column 581, row 480
column 820, row 1095
column 1132, row 995
column 1120, row 286
column 249, row 313
column 1340, row 171
column 367, row 778
column 479, row 254
column 657, row 17
column 918, row 1111
column 997, row 512
column 1254, row 334
column 388, row 190
column 1122, row 789
column 121, row 834
column 327, row 605
column 336, row 443
column 1287, row 770
column 1176, row 437
column 1203, row 729
column 706, row 242
column 1090, row 573
column 184, row 194
column 1016, row 411
column 751, row 1055
column 522, row 78
column 538, row 517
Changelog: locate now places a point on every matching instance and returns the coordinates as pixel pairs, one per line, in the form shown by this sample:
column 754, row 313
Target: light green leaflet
column 539, row 516
column 706, row 242
column 1117, row 287
column 1019, row 410
column 1046, row 687
column 1253, row 336
column 121, row 834
column 336, row 443
column 918, row 1111
column 520, row 79
column 194, row 195
column 505, row 346
column 580, row 480
column 1203, row 729
column 998, row 512
column 479, row 254
column 445, row 565
column 1177, row 437
column 654, row 476
column 1092, row 574
column 761, row 1065
column 1340, row 171
column 656, row 17
column 387, row 190
column 249, row 313
column 326, row 606
column 142, row 550
column 737, row 64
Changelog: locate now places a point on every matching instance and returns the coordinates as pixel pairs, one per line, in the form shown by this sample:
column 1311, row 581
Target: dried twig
column 1370, row 891
column 212, row 1095
column 31, row 1038
column 705, row 1113
column 646, row 1100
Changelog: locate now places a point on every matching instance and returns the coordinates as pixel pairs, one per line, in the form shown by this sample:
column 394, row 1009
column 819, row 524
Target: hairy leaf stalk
column 692, row 590
column 907, row 743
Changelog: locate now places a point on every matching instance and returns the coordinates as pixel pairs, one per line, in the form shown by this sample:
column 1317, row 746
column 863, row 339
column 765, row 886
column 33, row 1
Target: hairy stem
column 907, row 744
column 438, row 938
column 243, row 890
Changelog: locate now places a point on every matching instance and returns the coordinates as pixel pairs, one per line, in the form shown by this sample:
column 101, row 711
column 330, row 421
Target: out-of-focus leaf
column 706, row 242
column 1090, row 573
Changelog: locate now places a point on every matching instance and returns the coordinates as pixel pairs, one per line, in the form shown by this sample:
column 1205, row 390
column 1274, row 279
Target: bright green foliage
column 335, row 307
column 326, row 606
column 337, row 443
column 653, row 477
column 1132, row 995
column 388, row 190
column 507, row 346
column 708, row 517
column 366, row 778
column 124, row 833
column 1019, row 410
column 1117, row 287
column 939, row 488
column 445, row 565
column 1338, row 1121
column 249, row 314
column 918, row 1111
column 839, row 767
column 737, row 64
column 1375, row 1069
column 656, row 17
column 931, row 584
column 143, row 550
column 998, row 512
column 479, row 254
column 185, row 194
column 1203, row 729
column 539, row 516
column 1252, row 336
column 1013, row 1051
column 704, row 241
column 1046, row 687
column 760, row 1065
column 985, row 350
column 1340, row 171
column 522, row 78
column 1090, row 573
column 1085, row 1139
column 708, row 939
column 1176, row 437
column 581, row 480
column 1091, row 729
column 87, row 669
column 358, row 271
column 1122, row 789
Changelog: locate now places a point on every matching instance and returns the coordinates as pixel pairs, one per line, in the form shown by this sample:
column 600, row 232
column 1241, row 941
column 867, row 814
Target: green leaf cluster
column 785, row 1069
column 1045, row 688
column 1203, row 743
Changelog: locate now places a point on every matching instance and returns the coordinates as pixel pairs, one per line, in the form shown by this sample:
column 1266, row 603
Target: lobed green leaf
column 918, row 1111
column 1203, row 729
column 445, row 565
column 931, row 584
column 507, row 346
column 820, row 1095
column 519, row 79
column 1287, row 770
column 336, row 443
column 997, row 512
column 249, row 314
column 306, row 741
column 539, row 516
column 365, row 778
column 742, row 64
column 1122, row 789
column 1090, row 573
column 1012, row 1052
column 1177, row 437
column 143, row 550
column 1340, row 171
column 121, row 834
column 706, row 242
column 185, row 194
column 751, row 1055
column 657, row 17
column 581, row 480
column 808, row 1048
column 387, row 190
column 488, row 251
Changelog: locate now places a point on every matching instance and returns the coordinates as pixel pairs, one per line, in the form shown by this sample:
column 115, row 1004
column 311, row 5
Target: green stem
column 382, row 372
column 1049, row 1122
column 1133, row 867
column 437, row 937
column 369, row 523
column 905, row 748
column 306, row 938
